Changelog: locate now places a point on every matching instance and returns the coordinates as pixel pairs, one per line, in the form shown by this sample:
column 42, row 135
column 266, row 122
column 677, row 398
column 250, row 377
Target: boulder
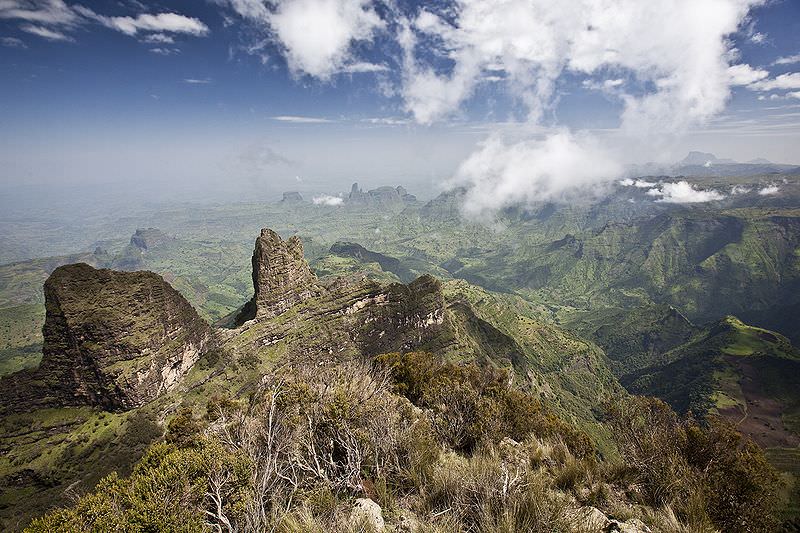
column 367, row 512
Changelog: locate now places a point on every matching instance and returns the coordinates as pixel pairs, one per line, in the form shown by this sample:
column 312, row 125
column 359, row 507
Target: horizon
column 230, row 97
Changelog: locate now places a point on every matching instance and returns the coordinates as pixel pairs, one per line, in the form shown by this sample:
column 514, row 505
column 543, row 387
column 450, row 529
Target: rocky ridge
column 112, row 339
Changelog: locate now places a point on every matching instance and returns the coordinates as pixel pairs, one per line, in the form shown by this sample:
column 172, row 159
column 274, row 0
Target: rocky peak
column 292, row 197
column 149, row 238
column 112, row 339
column 281, row 277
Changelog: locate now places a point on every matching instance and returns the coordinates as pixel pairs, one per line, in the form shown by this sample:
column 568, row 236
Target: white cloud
column 605, row 85
column 627, row 182
column 500, row 174
column 316, row 36
column 680, row 47
column 325, row 199
column 758, row 37
column 301, row 120
column 165, row 51
column 642, row 184
column 46, row 33
column 787, row 60
column 145, row 22
column 198, row 81
column 54, row 19
column 43, row 12
column 13, row 42
column 158, row 38
column 744, row 74
column 363, row 67
column 769, row 191
column 683, row 192
column 790, row 80
column 795, row 94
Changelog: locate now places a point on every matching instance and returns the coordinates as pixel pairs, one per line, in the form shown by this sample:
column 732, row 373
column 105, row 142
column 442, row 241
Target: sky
column 517, row 99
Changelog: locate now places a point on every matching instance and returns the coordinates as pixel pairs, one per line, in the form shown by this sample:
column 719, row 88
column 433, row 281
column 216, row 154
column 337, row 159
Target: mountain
column 122, row 348
column 701, row 164
column 571, row 301
column 703, row 159
column 111, row 339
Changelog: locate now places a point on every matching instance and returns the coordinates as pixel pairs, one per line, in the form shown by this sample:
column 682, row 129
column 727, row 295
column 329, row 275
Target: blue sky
column 317, row 93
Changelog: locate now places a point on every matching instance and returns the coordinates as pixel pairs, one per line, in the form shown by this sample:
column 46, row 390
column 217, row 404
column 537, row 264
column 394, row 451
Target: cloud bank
column 325, row 199
column 683, row 192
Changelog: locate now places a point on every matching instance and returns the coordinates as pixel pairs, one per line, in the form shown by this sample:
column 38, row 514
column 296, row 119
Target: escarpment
column 112, row 339
column 342, row 315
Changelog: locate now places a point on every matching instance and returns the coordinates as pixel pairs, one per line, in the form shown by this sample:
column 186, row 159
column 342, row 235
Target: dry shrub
column 470, row 405
column 710, row 475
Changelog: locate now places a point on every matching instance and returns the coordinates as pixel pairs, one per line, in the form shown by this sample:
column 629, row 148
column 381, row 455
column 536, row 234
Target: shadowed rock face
column 281, row 277
column 112, row 339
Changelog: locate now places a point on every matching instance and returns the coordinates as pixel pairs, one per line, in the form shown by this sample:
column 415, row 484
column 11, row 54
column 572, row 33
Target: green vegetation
column 300, row 449
column 547, row 310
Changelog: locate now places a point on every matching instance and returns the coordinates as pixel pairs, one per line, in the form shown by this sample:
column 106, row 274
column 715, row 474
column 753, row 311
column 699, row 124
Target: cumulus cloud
column 679, row 46
column 744, row 74
column 325, row 199
column 499, row 174
column 769, row 191
column 668, row 62
column 787, row 60
column 316, row 36
column 790, row 80
column 683, row 192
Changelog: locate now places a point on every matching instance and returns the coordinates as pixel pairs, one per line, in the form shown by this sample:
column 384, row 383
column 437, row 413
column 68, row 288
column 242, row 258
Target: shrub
column 706, row 473
column 471, row 405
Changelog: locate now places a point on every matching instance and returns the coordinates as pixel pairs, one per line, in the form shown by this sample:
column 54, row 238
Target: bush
column 471, row 405
column 707, row 473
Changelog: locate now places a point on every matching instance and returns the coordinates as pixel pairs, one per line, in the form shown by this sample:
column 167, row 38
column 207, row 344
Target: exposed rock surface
column 349, row 315
column 381, row 197
column 292, row 197
column 142, row 242
column 367, row 512
column 281, row 277
column 146, row 239
column 112, row 339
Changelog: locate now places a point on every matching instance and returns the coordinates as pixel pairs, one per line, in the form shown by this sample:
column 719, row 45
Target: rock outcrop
column 149, row 238
column 281, row 277
column 292, row 197
column 143, row 242
column 381, row 197
column 349, row 314
column 112, row 339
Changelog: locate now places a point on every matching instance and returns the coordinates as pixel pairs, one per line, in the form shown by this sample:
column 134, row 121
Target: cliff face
column 112, row 339
column 352, row 314
column 281, row 277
